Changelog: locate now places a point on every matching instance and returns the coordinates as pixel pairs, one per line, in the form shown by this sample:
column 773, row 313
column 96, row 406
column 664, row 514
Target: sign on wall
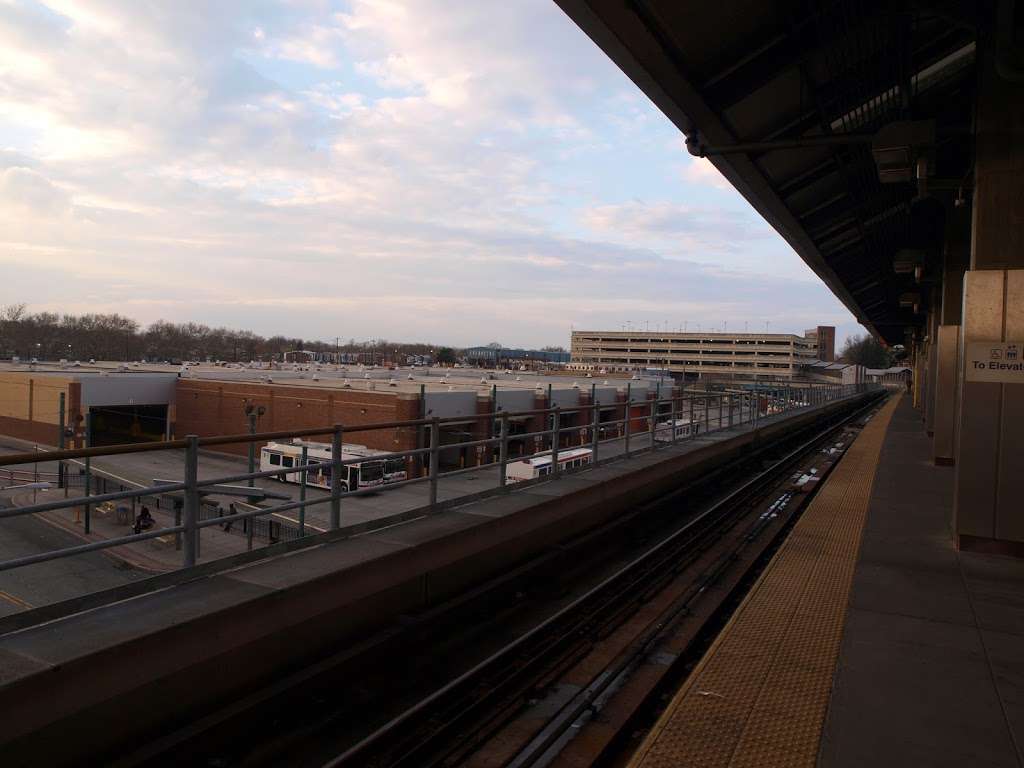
column 996, row 361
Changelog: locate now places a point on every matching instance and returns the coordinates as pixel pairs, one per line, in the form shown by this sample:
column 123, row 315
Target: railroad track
column 455, row 724
column 484, row 716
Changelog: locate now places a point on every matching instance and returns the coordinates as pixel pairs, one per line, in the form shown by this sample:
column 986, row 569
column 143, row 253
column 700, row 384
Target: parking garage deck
column 867, row 639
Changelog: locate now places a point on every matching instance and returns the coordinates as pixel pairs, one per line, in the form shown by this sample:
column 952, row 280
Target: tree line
column 867, row 351
column 49, row 336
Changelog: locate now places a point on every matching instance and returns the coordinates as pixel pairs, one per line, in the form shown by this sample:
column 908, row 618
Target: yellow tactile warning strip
column 759, row 695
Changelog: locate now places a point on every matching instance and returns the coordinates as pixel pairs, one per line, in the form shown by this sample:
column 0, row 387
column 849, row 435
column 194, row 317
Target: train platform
column 868, row 639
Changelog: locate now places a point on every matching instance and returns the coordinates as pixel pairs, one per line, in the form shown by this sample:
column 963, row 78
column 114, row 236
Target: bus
column 394, row 467
column 529, row 469
column 676, row 429
column 362, row 474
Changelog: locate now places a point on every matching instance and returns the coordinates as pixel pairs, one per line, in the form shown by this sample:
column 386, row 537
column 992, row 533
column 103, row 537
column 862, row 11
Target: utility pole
column 253, row 413
column 252, row 448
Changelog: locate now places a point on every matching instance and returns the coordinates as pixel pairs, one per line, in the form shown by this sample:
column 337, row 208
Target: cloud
column 379, row 168
column 28, row 190
column 700, row 171
column 669, row 220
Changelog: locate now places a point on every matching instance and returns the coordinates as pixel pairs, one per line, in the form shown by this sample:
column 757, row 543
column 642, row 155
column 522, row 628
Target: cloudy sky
column 458, row 172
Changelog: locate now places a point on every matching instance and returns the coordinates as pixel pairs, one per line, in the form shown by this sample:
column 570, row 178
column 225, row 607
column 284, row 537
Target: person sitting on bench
column 144, row 521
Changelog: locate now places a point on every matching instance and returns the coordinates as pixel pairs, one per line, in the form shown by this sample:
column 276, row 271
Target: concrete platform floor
column 931, row 666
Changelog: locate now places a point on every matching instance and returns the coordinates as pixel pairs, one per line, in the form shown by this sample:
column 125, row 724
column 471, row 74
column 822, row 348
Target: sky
column 458, row 173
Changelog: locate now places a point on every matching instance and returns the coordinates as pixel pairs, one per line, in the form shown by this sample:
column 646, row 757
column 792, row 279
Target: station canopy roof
column 825, row 77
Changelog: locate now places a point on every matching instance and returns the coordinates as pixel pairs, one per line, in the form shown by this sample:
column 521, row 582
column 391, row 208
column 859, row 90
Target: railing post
column 191, row 500
column 595, row 436
column 720, row 398
column 654, row 423
column 674, row 419
column 435, row 459
column 336, row 469
column 88, row 473
column 707, row 414
column 302, row 492
column 731, row 406
column 556, row 434
column 693, row 424
column 503, row 451
column 60, row 439
column 629, row 419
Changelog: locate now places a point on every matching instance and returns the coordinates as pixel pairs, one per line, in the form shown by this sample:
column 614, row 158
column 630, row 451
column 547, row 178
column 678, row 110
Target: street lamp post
column 253, row 413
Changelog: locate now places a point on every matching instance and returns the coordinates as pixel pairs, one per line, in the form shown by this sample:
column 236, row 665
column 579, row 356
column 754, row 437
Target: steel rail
column 493, row 664
column 539, row 748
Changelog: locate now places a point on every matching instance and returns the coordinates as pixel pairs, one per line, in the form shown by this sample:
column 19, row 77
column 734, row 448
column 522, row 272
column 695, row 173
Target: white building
column 701, row 355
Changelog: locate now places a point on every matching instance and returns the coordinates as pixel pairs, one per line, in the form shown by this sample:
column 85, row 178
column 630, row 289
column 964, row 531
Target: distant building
column 492, row 356
column 695, row 355
column 824, row 337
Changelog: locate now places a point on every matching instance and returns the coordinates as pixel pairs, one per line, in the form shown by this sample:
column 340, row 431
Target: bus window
column 288, row 461
column 275, row 459
column 371, row 471
column 544, row 471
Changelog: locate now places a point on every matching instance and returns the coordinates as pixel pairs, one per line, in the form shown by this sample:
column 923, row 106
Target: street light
column 253, row 412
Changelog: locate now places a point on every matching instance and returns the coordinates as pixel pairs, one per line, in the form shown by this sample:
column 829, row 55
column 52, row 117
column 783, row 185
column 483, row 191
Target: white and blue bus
column 362, row 474
column 676, row 429
column 540, row 466
column 394, row 468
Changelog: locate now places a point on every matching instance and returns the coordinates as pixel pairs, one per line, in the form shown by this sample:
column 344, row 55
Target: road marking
column 14, row 600
column 126, row 481
column 295, row 520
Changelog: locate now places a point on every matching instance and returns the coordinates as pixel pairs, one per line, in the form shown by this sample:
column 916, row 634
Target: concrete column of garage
column 990, row 440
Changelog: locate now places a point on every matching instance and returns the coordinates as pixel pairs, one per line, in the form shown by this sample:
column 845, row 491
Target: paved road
column 51, row 582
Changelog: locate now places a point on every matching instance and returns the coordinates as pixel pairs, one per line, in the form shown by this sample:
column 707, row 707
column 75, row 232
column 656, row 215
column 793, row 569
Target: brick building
column 151, row 402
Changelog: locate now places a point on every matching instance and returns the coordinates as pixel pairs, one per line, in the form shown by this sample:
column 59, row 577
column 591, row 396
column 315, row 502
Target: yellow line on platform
column 760, row 694
column 14, row 600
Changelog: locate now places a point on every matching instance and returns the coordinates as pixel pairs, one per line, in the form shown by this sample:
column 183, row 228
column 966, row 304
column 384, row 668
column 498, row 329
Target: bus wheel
column 343, row 487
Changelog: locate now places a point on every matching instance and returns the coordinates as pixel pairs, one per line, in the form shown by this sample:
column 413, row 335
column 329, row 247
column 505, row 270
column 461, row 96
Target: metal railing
column 641, row 425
